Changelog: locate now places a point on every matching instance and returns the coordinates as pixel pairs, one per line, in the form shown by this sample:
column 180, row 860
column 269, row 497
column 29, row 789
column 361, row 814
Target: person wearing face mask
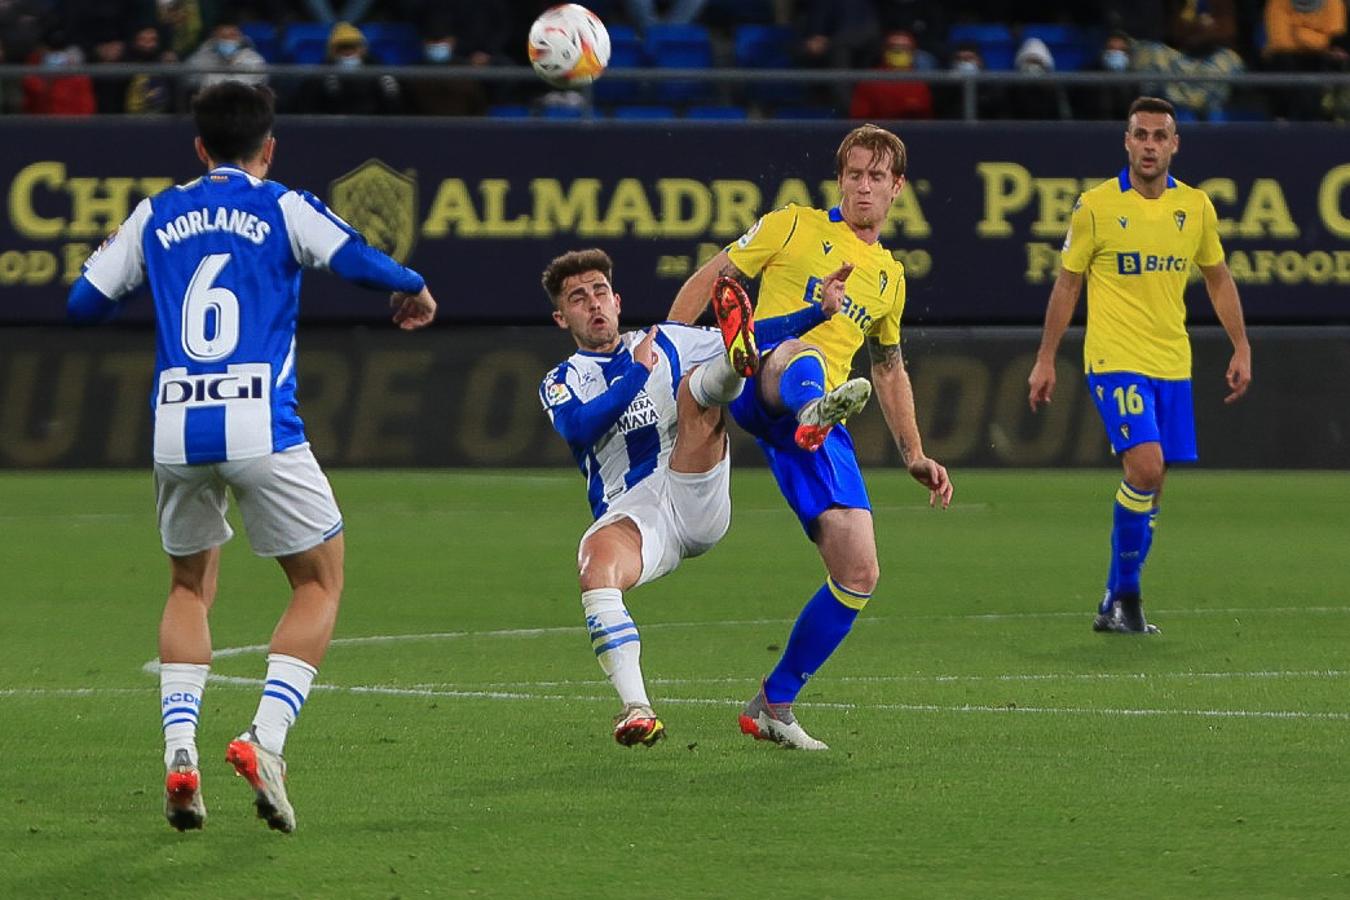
column 334, row 94
column 228, row 48
column 1110, row 101
column 62, row 95
column 895, row 99
column 443, row 96
column 989, row 98
column 1036, row 101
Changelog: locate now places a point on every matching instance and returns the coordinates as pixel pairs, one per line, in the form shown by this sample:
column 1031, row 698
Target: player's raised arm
column 694, row 295
column 1058, row 314
column 321, row 240
column 1223, row 293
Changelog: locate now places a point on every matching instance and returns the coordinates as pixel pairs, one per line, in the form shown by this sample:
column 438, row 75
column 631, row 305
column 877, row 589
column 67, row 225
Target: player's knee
column 861, row 576
column 1146, row 473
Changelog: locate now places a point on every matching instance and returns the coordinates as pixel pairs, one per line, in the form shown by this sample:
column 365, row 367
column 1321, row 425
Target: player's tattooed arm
column 884, row 356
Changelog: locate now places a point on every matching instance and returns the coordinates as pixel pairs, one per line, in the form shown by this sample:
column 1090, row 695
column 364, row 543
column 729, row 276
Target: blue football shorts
column 1137, row 409
column 811, row 482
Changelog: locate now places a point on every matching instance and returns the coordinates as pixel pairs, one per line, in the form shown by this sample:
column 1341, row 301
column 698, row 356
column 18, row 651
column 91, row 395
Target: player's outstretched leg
column 183, row 804
column 637, row 723
column 265, row 772
column 765, row 721
column 819, row 416
column 736, row 318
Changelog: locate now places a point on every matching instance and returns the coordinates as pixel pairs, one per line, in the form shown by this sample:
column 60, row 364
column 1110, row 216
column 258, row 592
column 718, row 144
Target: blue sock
column 803, row 380
column 1129, row 537
column 1113, row 575
column 821, row 627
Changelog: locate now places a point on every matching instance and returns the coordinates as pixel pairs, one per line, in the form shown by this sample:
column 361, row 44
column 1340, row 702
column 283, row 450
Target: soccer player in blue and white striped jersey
column 222, row 256
column 643, row 416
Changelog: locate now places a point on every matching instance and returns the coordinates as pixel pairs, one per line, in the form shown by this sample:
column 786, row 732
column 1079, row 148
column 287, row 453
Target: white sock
column 614, row 638
column 180, row 705
column 715, row 383
column 287, row 687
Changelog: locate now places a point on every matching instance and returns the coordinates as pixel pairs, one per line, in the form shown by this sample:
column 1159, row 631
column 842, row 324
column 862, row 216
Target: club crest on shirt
column 1125, row 432
column 380, row 203
column 1179, row 216
column 557, row 394
column 1123, row 221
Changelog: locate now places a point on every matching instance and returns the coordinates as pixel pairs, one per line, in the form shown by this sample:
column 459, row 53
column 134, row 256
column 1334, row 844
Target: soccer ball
column 569, row 45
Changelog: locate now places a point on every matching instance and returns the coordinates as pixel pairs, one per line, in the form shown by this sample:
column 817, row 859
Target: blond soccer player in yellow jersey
column 797, row 403
column 1133, row 239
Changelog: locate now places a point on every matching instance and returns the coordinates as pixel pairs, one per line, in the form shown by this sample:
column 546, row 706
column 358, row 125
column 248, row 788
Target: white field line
column 1108, row 712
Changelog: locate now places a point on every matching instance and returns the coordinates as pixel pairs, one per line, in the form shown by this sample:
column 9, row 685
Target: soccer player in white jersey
column 223, row 256
column 643, row 415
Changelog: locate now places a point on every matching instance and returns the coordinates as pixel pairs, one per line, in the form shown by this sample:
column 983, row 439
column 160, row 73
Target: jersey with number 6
column 223, row 256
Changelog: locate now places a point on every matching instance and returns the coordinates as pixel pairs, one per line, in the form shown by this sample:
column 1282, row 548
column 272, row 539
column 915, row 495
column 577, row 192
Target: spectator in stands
column 336, row 95
column 444, row 96
column 110, row 93
column 228, row 48
column 1306, row 36
column 1036, row 101
column 22, row 23
column 839, row 34
column 1109, row 101
column 874, row 100
column 1201, row 37
column 951, row 99
column 184, row 23
column 678, row 12
column 58, row 95
column 925, row 19
column 148, row 93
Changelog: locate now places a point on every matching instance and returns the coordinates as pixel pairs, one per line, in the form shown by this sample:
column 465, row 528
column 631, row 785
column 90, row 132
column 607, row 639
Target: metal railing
column 969, row 83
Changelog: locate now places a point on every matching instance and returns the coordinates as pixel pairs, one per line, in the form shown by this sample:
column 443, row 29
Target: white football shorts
column 284, row 498
column 678, row 514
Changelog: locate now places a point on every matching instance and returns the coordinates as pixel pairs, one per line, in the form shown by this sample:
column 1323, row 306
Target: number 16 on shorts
column 1137, row 409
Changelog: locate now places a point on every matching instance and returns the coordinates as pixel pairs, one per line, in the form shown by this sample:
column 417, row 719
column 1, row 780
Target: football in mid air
column 569, row 45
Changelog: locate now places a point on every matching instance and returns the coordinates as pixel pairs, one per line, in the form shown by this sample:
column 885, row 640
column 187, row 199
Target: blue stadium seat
column 390, row 31
column 716, row 112
column 1071, row 47
column 680, row 47
column 995, row 43
column 396, row 51
column 625, row 52
column 767, row 47
column 644, row 112
column 264, row 38
column 509, row 111
column 564, row 112
column 305, row 42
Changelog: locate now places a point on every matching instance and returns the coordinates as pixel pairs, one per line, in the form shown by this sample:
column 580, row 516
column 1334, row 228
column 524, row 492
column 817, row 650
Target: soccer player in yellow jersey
column 1133, row 239
column 796, row 404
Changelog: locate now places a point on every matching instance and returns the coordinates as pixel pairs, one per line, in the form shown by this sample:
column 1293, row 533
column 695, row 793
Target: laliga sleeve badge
column 745, row 239
column 557, row 394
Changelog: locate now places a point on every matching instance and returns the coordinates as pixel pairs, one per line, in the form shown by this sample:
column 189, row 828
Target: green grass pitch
column 985, row 742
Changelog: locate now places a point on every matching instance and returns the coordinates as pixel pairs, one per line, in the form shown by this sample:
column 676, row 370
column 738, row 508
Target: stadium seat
column 709, row 113
column 995, row 43
column 264, row 38
column 305, row 42
column 509, row 111
column 559, row 111
column 680, row 47
column 396, row 51
column 644, row 112
column 390, row 31
column 766, row 47
column 1071, row 47
column 626, row 52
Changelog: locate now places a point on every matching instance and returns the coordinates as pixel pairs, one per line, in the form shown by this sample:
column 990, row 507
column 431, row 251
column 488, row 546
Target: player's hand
column 1239, row 374
column 644, row 352
column 413, row 310
column 832, row 289
column 1042, row 383
column 932, row 475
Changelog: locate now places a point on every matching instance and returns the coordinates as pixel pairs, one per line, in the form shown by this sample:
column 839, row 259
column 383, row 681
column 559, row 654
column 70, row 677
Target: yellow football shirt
column 1137, row 254
column 793, row 249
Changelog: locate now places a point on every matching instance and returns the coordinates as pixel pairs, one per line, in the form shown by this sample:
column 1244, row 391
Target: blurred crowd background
column 469, row 41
